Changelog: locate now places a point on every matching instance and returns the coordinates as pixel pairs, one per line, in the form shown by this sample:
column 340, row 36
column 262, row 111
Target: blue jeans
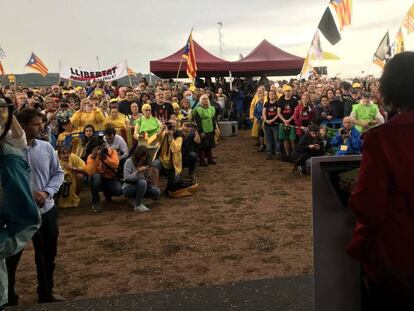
column 272, row 139
column 109, row 187
column 140, row 190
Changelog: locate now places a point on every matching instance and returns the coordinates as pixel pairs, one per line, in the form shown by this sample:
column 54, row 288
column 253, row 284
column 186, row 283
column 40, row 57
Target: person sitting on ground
column 324, row 113
column 191, row 140
column 168, row 157
column 72, row 167
column 138, row 179
column 204, row 116
column 310, row 145
column 366, row 114
column 101, row 166
column 347, row 139
column 117, row 143
column 87, row 114
column 147, row 129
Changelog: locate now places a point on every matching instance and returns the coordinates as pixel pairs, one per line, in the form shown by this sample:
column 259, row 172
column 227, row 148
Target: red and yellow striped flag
column 131, row 72
column 189, row 55
column 343, row 10
column 37, row 64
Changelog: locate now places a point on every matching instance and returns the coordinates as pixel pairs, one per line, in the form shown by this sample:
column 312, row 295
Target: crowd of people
column 299, row 120
column 119, row 140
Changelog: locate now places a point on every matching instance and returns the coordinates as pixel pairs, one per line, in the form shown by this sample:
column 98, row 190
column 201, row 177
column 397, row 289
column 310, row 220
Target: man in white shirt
column 116, row 142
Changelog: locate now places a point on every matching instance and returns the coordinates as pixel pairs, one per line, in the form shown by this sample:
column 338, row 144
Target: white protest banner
column 76, row 74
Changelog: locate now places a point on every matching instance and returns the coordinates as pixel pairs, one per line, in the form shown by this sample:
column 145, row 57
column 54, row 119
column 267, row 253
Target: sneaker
column 141, row 208
column 97, row 208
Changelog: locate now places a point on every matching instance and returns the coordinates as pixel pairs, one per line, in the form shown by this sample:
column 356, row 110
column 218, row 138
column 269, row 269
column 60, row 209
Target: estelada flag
column 343, row 10
column 131, row 72
column 328, row 27
column 189, row 55
column 408, row 22
column 37, row 64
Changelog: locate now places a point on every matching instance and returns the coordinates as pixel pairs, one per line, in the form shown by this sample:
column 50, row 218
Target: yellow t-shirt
column 95, row 118
column 118, row 123
column 72, row 200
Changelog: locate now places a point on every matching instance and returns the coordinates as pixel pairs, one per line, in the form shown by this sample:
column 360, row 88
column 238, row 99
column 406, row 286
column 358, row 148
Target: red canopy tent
column 269, row 60
column 208, row 65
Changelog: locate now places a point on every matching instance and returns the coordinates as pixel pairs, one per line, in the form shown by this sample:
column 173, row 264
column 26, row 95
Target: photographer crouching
column 101, row 166
column 347, row 139
column 168, row 157
column 191, row 140
column 139, row 179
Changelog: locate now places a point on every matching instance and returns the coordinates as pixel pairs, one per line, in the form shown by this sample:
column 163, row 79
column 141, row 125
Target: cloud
column 76, row 31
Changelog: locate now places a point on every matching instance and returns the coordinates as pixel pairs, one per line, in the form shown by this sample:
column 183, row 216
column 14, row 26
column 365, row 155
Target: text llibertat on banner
column 81, row 75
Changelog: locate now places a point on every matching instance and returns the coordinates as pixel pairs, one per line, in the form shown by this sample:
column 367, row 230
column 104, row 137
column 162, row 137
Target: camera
column 103, row 153
column 169, row 125
column 343, row 131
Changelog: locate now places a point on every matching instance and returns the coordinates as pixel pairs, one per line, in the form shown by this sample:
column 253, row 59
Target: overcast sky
column 76, row 31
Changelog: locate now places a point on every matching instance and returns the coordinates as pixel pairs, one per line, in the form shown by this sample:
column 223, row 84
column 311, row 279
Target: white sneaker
column 141, row 208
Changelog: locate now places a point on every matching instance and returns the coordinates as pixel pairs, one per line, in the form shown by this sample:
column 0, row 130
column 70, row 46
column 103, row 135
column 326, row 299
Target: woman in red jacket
column 383, row 199
column 303, row 114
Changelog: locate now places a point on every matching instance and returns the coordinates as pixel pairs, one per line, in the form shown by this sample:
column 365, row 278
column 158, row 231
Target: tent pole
column 231, row 82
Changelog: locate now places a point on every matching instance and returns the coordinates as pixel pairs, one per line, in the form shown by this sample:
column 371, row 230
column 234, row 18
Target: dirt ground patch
column 251, row 219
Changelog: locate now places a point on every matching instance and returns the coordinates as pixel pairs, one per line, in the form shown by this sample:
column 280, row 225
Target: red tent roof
column 267, row 59
column 207, row 64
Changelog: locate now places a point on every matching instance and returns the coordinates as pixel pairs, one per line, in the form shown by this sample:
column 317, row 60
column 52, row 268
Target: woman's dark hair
column 397, row 83
column 84, row 138
column 64, row 148
column 88, row 126
column 323, row 96
column 139, row 153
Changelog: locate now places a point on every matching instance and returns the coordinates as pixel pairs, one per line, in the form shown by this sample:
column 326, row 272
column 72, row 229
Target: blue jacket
column 353, row 143
column 258, row 111
column 238, row 100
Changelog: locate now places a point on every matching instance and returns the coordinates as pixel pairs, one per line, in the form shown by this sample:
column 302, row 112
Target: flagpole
column 179, row 69
column 129, row 77
column 97, row 61
column 59, row 65
column 181, row 61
